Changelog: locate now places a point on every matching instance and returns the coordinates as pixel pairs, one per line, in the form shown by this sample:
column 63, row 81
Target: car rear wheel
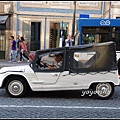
column 16, row 87
column 103, row 90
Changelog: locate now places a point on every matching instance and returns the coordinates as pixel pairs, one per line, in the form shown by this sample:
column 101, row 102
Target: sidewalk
column 4, row 63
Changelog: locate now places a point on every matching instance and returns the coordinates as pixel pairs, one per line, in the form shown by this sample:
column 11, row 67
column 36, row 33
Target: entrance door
column 35, row 36
column 2, row 41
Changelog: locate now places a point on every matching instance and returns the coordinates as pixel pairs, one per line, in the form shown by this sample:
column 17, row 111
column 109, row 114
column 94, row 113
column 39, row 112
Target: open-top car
column 83, row 67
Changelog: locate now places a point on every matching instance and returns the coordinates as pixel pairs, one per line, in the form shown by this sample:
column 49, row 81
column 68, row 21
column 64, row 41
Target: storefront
column 99, row 30
column 4, row 27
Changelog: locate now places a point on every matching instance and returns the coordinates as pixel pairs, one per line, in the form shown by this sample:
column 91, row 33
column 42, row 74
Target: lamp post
column 74, row 15
column 61, row 37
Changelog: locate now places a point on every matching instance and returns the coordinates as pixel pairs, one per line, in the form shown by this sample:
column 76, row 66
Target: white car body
column 72, row 75
column 59, row 80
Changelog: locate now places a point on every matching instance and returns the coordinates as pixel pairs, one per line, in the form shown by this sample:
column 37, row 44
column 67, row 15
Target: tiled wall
column 55, row 10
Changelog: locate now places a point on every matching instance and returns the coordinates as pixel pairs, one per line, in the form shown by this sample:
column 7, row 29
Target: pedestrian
column 23, row 48
column 18, row 47
column 69, row 41
column 13, row 49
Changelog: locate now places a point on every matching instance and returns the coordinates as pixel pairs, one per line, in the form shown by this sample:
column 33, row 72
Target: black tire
column 16, row 87
column 103, row 90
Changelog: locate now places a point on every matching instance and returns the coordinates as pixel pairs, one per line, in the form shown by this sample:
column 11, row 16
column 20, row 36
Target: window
column 88, row 3
column 60, row 3
column 32, row 2
column 115, row 2
column 49, row 61
column 84, row 59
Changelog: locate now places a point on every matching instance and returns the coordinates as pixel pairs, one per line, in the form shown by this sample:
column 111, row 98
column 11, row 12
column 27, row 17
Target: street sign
column 84, row 16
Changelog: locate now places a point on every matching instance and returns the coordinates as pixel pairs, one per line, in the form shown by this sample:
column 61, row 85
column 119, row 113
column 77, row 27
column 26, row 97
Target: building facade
column 43, row 23
column 6, row 13
column 45, row 18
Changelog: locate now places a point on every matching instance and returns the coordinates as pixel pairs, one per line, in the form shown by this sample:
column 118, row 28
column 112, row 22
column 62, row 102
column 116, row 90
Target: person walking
column 13, row 49
column 23, row 49
column 69, row 41
column 18, row 47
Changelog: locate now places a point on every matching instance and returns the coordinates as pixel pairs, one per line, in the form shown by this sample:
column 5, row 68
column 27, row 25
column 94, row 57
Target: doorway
column 2, row 41
column 35, row 36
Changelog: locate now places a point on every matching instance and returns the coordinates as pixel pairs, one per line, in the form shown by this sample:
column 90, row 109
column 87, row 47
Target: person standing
column 23, row 48
column 13, row 49
column 69, row 41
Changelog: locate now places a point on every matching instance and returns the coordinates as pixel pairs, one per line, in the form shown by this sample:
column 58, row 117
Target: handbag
column 24, row 51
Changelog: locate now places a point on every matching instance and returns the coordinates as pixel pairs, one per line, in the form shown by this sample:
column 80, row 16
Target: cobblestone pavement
column 65, row 104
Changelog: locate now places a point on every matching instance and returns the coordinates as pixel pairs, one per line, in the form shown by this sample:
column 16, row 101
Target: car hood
column 23, row 68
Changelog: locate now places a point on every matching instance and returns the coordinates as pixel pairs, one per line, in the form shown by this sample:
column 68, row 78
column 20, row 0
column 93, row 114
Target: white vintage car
column 84, row 67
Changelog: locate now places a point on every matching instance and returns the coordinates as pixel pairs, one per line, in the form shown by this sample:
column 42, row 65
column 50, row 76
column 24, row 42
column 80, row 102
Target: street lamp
column 74, row 15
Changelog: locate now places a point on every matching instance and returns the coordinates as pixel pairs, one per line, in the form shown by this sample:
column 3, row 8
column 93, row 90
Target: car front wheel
column 103, row 90
column 16, row 87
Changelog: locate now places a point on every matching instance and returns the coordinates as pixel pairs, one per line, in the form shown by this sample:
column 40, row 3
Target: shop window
column 53, row 37
column 57, row 31
column 88, row 38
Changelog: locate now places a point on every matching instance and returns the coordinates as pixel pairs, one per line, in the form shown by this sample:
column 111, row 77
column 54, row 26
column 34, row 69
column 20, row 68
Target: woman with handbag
column 23, row 48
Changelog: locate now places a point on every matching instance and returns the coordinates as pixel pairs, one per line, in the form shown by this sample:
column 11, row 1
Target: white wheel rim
column 15, row 87
column 103, row 89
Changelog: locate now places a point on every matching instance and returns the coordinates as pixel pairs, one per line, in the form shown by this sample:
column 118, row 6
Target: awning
column 3, row 19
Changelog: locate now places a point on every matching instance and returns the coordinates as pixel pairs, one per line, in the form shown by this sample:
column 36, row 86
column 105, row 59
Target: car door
column 43, row 73
column 47, row 77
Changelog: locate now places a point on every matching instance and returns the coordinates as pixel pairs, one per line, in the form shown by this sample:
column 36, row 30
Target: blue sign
column 98, row 22
column 84, row 16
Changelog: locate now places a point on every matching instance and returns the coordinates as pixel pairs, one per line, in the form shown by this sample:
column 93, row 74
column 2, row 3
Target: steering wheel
column 40, row 63
column 43, row 64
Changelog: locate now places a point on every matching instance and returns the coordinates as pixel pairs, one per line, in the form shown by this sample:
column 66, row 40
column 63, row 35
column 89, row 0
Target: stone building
column 41, row 22
column 5, row 27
